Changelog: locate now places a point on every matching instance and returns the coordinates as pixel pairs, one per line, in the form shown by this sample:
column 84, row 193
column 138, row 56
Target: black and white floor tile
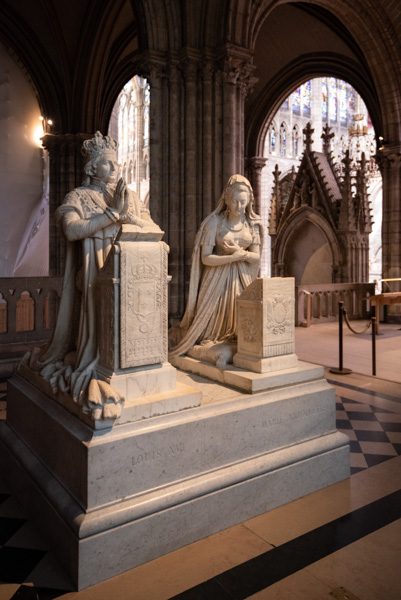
column 375, row 433
column 28, row 570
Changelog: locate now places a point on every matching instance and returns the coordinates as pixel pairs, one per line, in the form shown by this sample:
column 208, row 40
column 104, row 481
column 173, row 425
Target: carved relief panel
column 266, row 319
column 143, row 325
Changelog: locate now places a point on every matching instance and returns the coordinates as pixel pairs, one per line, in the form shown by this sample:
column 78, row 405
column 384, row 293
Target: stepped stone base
column 109, row 500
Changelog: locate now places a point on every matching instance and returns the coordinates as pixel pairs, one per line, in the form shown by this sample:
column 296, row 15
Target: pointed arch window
column 295, row 141
column 306, row 98
column 343, row 102
column 296, row 101
column 352, row 105
column 273, row 140
column 283, row 140
column 324, row 99
column 333, row 100
column 129, row 123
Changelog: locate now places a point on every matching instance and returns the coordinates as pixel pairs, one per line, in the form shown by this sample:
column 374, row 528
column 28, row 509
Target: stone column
column 153, row 68
column 254, row 166
column 207, row 138
column 176, row 233
column 196, row 144
column 65, row 172
column 390, row 165
column 229, row 124
column 191, row 158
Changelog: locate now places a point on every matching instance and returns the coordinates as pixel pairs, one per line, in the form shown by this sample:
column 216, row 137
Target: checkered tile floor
column 28, row 570
column 374, row 433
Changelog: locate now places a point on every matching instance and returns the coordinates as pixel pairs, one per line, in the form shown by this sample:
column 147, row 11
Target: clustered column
column 390, row 165
column 65, row 173
column 196, row 144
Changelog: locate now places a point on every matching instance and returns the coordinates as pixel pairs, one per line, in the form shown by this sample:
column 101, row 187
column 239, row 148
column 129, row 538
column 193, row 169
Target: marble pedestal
column 111, row 499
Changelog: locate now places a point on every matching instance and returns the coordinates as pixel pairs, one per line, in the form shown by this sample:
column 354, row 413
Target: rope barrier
column 351, row 328
column 342, row 312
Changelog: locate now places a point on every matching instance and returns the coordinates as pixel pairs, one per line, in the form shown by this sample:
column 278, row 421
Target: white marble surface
column 108, row 541
column 248, row 381
column 265, row 365
column 141, row 381
column 266, row 325
column 121, row 497
column 133, row 457
column 180, row 398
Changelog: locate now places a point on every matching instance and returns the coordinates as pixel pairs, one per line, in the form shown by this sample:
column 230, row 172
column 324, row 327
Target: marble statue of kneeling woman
column 225, row 261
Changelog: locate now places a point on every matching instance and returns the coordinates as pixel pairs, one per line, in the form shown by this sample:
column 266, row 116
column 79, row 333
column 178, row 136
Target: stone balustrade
column 28, row 309
column 324, row 300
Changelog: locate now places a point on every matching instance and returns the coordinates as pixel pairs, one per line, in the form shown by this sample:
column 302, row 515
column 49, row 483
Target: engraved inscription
column 295, row 416
column 149, row 457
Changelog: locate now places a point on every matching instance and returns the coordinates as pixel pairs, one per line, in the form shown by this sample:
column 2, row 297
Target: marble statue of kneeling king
column 90, row 217
column 225, row 261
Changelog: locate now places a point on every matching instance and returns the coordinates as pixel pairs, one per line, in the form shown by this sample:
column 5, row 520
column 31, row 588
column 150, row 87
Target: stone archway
column 308, row 256
column 307, row 249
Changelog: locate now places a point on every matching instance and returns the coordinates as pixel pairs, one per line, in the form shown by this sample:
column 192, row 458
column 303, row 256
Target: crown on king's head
column 98, row 145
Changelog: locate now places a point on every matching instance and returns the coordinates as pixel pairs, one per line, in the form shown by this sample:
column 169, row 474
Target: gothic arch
column 32, row 56
column 294, row 224
column 367, row 28
column 258, row 118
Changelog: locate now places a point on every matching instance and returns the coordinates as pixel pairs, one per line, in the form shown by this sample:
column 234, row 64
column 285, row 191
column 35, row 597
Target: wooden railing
column 28, row 309
column 324, row 299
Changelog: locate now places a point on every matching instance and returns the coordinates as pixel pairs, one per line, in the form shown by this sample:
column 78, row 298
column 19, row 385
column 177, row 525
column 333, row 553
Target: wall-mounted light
column 38, row 132
column 381, row 141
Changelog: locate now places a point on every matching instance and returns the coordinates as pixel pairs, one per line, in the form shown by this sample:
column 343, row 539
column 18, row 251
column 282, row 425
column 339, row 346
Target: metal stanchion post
column 374, row 346
column 340, row 370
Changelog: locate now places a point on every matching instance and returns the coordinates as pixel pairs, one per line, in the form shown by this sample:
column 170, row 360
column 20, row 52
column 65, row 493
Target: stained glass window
column 285, row 104
column 352, row 105
column 343, row 102
column 296, row 101
column 295, row 140
column 306, row 92
column 333, row 100
column 324, row 99
column 283, row 135
column 272, row 140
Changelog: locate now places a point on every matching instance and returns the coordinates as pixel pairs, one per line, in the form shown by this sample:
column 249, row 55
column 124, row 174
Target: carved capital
column 237, row 68
column 255, row 164
column 389, row 157
column 151, row 66
column 57, row 142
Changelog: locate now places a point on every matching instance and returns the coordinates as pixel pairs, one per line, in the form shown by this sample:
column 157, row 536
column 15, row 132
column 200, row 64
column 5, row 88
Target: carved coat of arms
column 278, row 312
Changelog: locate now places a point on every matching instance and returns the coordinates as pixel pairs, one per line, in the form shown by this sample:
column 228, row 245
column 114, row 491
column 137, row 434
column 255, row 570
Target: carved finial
column 276, row 188
column 347, row 163
column 276, row 174
column 308, row 131
column 327, row 137
column 363, row 163
column 98, row 145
